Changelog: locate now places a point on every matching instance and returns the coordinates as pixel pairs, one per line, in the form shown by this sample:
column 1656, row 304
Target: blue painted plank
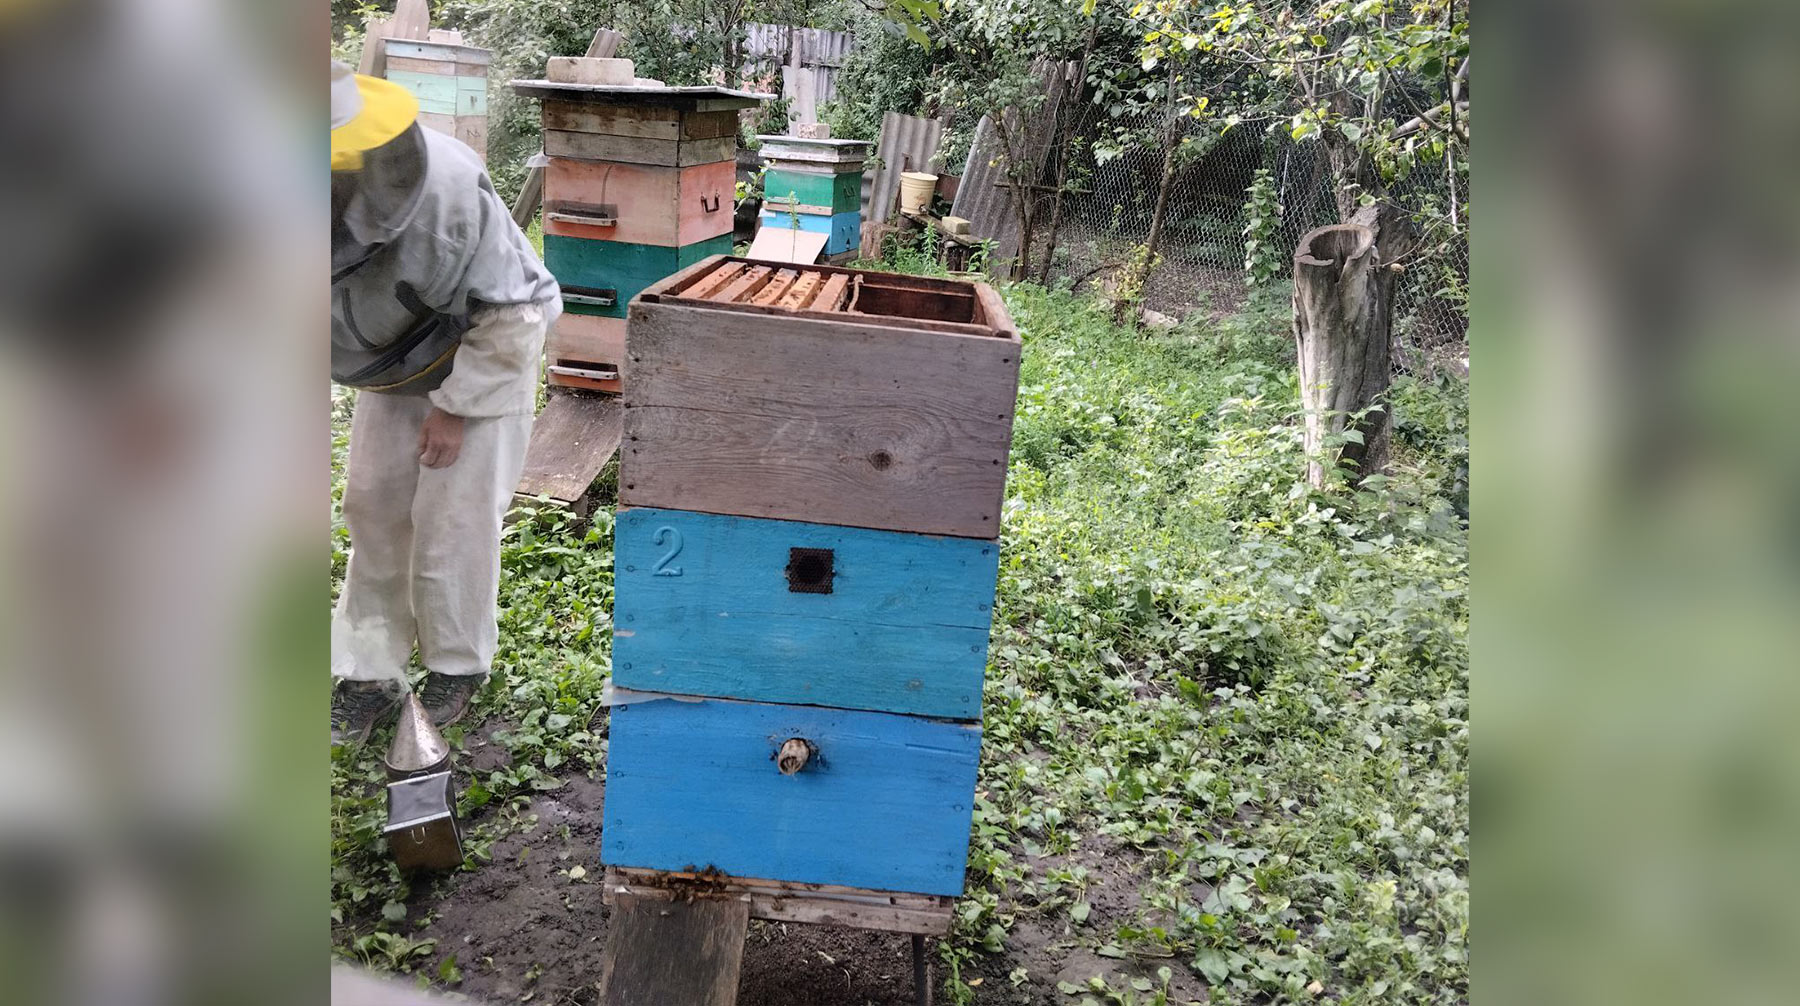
column 884, row 804
column 471, row 95
column 703, row 607
column 620, row 265
column 844, row 230
column 436, row 93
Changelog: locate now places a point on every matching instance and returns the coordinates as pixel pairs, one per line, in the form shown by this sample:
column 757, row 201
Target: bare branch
column 1424, row 119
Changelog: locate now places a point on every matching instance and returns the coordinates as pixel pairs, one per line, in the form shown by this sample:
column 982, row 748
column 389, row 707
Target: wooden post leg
column 673, row 953
column 921, row 972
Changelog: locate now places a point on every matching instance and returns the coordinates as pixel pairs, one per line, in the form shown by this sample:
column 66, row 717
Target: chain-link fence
column 1237, row 207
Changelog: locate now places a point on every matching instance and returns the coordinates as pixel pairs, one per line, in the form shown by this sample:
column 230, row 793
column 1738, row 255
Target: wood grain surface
column 621, row 266
column 816, row 904
column 655, row 205
column 673, row 953
column 833, row 420
column 584, row 338
column 473, row 131
column 649, row 123
column 572, row 439
column 637, row 149
column 838, row 192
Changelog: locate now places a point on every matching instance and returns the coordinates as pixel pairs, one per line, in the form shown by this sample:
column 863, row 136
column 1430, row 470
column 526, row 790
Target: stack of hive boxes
column 810, row 493
column 450, row 82
column 641, row 182
column 816, row 185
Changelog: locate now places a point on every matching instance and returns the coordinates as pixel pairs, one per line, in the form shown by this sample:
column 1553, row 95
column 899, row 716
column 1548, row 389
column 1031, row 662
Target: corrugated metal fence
column 984, row 197
column 907, row 144
column 807, row 58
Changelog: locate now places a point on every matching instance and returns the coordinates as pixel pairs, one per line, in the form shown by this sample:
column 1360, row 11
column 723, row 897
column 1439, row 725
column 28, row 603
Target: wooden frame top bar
column 729, row 283
column 707, row 98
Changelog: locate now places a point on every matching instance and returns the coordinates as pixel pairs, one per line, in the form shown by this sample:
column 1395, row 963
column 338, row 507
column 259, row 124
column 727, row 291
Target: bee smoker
column 422, row 831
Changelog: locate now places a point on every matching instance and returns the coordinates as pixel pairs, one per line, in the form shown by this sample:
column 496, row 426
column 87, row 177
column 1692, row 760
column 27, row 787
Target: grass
column 1249, row 697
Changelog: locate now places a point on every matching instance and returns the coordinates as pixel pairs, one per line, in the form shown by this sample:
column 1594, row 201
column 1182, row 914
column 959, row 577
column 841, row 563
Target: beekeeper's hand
column 440, row 439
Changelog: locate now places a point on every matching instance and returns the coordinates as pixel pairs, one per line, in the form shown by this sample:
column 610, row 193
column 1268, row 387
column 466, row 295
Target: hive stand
column 805, row 556
column 640, row 182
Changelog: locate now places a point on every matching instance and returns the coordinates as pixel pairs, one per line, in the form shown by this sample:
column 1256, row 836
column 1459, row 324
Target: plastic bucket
column 915, row 191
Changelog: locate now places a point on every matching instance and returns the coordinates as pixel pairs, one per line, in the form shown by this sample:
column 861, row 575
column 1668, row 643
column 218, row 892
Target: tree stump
column 1343, row 316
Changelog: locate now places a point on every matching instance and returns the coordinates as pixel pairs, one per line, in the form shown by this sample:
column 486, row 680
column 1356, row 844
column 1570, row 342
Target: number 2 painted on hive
column 672, row 538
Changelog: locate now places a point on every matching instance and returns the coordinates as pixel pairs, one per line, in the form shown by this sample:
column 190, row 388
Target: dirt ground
column 522, row 930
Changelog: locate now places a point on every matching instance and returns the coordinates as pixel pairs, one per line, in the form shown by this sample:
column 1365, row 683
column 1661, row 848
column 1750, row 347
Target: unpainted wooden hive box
column 805, row 556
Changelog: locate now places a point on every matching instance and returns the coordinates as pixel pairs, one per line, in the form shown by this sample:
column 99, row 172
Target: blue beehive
column 810, row 488
column 815, row 185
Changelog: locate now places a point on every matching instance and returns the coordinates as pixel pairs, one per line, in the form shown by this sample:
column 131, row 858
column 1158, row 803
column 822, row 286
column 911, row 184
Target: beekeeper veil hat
column 366, row 112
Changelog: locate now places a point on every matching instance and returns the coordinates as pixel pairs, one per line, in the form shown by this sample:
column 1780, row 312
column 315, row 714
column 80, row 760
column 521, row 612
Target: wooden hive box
column 821, row 394
column 450, row 82
column 805, row 561
column 816, row 185
column 640, row 184
column 846, row 617
column 820, row 193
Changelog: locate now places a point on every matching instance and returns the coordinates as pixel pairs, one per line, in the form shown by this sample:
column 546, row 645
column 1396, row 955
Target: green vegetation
column 1257, row 693
column 1241, row 700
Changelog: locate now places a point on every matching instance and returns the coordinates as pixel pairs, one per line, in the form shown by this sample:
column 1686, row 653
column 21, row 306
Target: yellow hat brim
column 387, row 110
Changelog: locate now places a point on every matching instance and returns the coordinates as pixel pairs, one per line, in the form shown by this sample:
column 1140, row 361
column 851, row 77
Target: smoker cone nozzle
column 418, row 748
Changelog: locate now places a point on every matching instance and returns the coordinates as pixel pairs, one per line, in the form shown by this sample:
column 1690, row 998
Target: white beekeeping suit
column 439, row 305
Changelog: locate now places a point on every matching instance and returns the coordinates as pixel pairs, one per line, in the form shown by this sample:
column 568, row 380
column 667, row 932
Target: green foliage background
column 1253, row 693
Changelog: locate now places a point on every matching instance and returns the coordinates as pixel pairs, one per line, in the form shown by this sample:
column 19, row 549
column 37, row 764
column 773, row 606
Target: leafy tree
column 1382, row 85
column 1001, row 55
column 887, row 70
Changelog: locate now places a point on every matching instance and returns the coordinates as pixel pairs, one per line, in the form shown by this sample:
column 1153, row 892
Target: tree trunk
column 1023, row 269
column 1020, row 177
column 1056, row 211
column 1343, row 314
column 1068, row 134
column 1157, row 215
column 1161, row 212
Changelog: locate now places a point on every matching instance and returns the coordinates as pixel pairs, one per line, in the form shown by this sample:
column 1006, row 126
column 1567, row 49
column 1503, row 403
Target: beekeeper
column 438, row 312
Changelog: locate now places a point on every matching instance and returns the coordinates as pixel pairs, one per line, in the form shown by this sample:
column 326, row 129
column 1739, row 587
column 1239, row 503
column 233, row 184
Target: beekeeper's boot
column 447, row 696
column 358, row 707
